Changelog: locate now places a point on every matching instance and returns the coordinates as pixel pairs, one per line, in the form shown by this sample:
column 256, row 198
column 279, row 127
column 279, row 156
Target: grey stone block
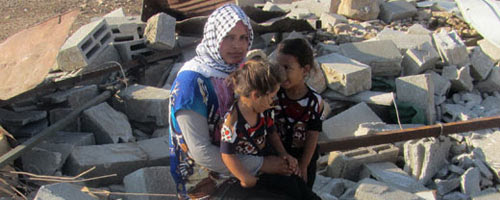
column 120, row 159
column 8, row 117
column 404, row 41
column 315, row 7
column 74, row 97
column 453, row 112
column 132, row 48
column 81, row 48
column 489, row 146
column 328, row 20
column 490, row 49
column 382, row 56
column 345, row 124
column 419, row 91
column 29, row 130
column 277, row 7
column 362, row 10
column 154, row 75
column 153, row 180
column 61, row 191
column 42, row 161
column 445, row 186
column 460, row 78
column 441, row 85
column 419, row 59
column 485, row 171
column 470, row 182
column 326, row 185
column 393, row 176
column 379, row 191
column 418, row 29
column 107, row 124
column 72, row 138
column 160, row 32
column 492, row 83
column 455, row 196
column 481, row 64
column 372, row 128
column 451, row 48
column 487, row 195
column 161, row 132
column 144, row 104
column 61, row 113
column 116, row 13
column 396, row 10
column 371, row 97
column 345, row 75
column 157, row 150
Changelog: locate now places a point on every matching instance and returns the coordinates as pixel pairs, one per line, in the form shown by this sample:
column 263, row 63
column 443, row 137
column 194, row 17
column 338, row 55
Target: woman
column 199, row 99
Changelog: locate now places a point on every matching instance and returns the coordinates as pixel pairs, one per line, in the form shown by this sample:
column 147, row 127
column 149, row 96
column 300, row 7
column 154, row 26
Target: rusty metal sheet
column 28, row 55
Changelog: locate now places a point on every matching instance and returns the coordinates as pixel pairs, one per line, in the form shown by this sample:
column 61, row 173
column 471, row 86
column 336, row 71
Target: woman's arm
column 237, row 169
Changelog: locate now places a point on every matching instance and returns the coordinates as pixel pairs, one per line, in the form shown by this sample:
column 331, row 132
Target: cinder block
column 152, row 180
column 419, row 91
column 481, row 64
column 345, row 124
column 492, row 83
column 404, row 41
column 144, row 104
column 396, row 10
column 419, row 59
column 62, row 191
column 73, row 138
column 349, row 164
column 120, row 159
column 107, row 124
column 470, row 182
column 81, row 48
column 126, row 26
column 131, row 49
column 157, row 150
column 160, row 32
column 393, row 176
column 460, row 78
column 490, row 49
column 375, row 190
column 451, row 48
column 345, row 75
column 382, row 56
column 61, row 113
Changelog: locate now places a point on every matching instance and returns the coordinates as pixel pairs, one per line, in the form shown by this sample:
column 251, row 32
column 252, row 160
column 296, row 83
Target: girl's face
column 234, row 47
column 263, row 102
column 294, row 72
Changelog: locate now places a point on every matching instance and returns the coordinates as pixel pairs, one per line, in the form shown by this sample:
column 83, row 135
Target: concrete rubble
column 371, row 56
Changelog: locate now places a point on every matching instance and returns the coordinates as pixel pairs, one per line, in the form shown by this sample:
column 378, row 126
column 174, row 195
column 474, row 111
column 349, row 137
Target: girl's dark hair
column 256, row 74
column 300, row 49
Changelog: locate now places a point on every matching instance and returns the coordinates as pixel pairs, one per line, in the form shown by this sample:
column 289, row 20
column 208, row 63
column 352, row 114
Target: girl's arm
column 237, row 169
column 275, row 140
column 309, row 148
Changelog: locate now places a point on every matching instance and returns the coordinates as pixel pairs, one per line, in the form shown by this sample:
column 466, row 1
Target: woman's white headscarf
column 208, row 59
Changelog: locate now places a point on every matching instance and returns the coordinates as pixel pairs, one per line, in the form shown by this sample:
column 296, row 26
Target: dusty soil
column 16, row 15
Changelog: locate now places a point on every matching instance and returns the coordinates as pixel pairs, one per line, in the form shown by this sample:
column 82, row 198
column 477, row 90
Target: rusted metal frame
column 409, row 134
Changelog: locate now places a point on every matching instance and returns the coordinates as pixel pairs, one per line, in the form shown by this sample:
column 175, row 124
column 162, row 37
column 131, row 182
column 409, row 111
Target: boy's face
column 263, row 102
column 294, row 72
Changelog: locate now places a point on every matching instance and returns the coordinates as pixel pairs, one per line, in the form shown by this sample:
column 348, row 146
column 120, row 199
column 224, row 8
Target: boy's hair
column 300, row 49
column 258, row 75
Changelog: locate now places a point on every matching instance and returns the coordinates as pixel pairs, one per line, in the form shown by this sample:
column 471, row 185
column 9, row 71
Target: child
column 299, row 108
column 248, row 126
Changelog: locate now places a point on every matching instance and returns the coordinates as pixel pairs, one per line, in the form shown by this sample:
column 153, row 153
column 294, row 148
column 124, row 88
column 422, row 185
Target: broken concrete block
column 404, row 41
column 396, row 10
column 29, row 130
column 489, row 146
column 8, row 117
column 62, row 191
column 161, row 132
column 455, row 196
column 126, row 27
column 72, row 138
column 61, row 113
column 116, row 13
column 327, row 185
column 379, row 191
column 419, row 91
column 107, row 124
column 316, row 7
column 155, row 74
column 491, row 103
column 481, row 64
column 470, row 182
column 485, row 171
column 461, row 79
column 120, row 159
column 382, row 56
column 345, row 124
column 371, row 128
column 492, row 83
column 419, row 59
column 451, row 48
column 418, row 29
column 349, row 164
column 393, row 176
column 81, row 48
column 328, row 20
column 441, row 85
column 172, row 75
column 445, row 186
column 152, row 180
column 42, row 161
column 490, row 49
column 73, row 97
column 362, row 10
column 277, row 7
column 144, row 104
column 251, row 3
column 345, row 75
column 160, row 32
column 131, row 49
column 487, row 195
column 157, row 150
column 371, row 97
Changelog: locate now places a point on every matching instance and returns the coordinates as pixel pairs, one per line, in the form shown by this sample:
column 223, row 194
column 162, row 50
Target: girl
column 299, row 108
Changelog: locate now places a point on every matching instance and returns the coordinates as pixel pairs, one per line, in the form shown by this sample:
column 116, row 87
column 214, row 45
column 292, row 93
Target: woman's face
column 234, row 46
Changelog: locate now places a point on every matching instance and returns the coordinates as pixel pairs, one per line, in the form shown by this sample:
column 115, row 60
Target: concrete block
column 251, row 3
column 345, row 124
column 153, row 180
column 456, row 169
column 404, row 41
column 485, row 171
column 144, row 104
column 418, row 29
column 316, row 78
column 160, row 32
column 441, row 85
column 62, row 191
column 481, row 64
column 489, row 146
column 107, row 124
column 72, row 138
column 61, row 113
column 42, row 161
column 328, row 20
column 453, row 112
column 116, row 13
column 11, row 118
column 491, row 103
column 161, row 132
column 490, row 49
column 120, row 159
column 126, row 26
column 379, row 191
column 329, row 186
column 371, row 97
column 492, row 83
column 172, row 75
column 132, row 48
column 487, row 195
column 349, row 164
column 470, row 182
column 154, row 75
column 460, row 78
column 419, row 59
column 300, row 13
column 390, row 174
column 396, row 10
column 81, row 48
column 325, row 48
column 362, row 10
column 277, row 7
column 455, row 196
column 445, row 186
column 73, row 97
column 29, row 130
column 316, row 6
column 345, row 75
column 451, row 48
column 382, row 56
column 371, row 128
column 419, row 91
column 157, row 150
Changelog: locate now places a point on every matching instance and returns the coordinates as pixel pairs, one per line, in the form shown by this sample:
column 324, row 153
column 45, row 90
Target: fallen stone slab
column 445, row 186
column 157, row 150
column 62, row 191
column 277, row 7
column 160, row 32
column 379, row 191
column 329, row 20
column 485, row 171
column 470, row 182
column 42, row 161
column 61, row 113
column 154, row 75
column 492, row 83
column 151, row 180
column 316, row 7
column 419, row 91
column 390, row 174
column 29, row 130
column 402, row 40
column 107, row 124
column 382, row 56
column 441, row 85
column 73, row 97
column 451, row 48
column 72, row 138
column 490, row 49
column 419, row 59
column 455, row 196
column 396, row 10
column 481, row 64
column 460, row 78
column 370, row 97
column 372, row 128
column 362, row 10
column 486, row 195
column 488, row 144
column 418, row 29
column 345, row 123
column 8, row 117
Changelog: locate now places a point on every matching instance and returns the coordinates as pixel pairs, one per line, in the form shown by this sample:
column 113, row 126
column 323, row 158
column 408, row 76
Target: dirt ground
column 16, row 15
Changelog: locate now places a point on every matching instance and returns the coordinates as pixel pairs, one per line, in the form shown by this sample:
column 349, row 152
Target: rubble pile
column 372, row 57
